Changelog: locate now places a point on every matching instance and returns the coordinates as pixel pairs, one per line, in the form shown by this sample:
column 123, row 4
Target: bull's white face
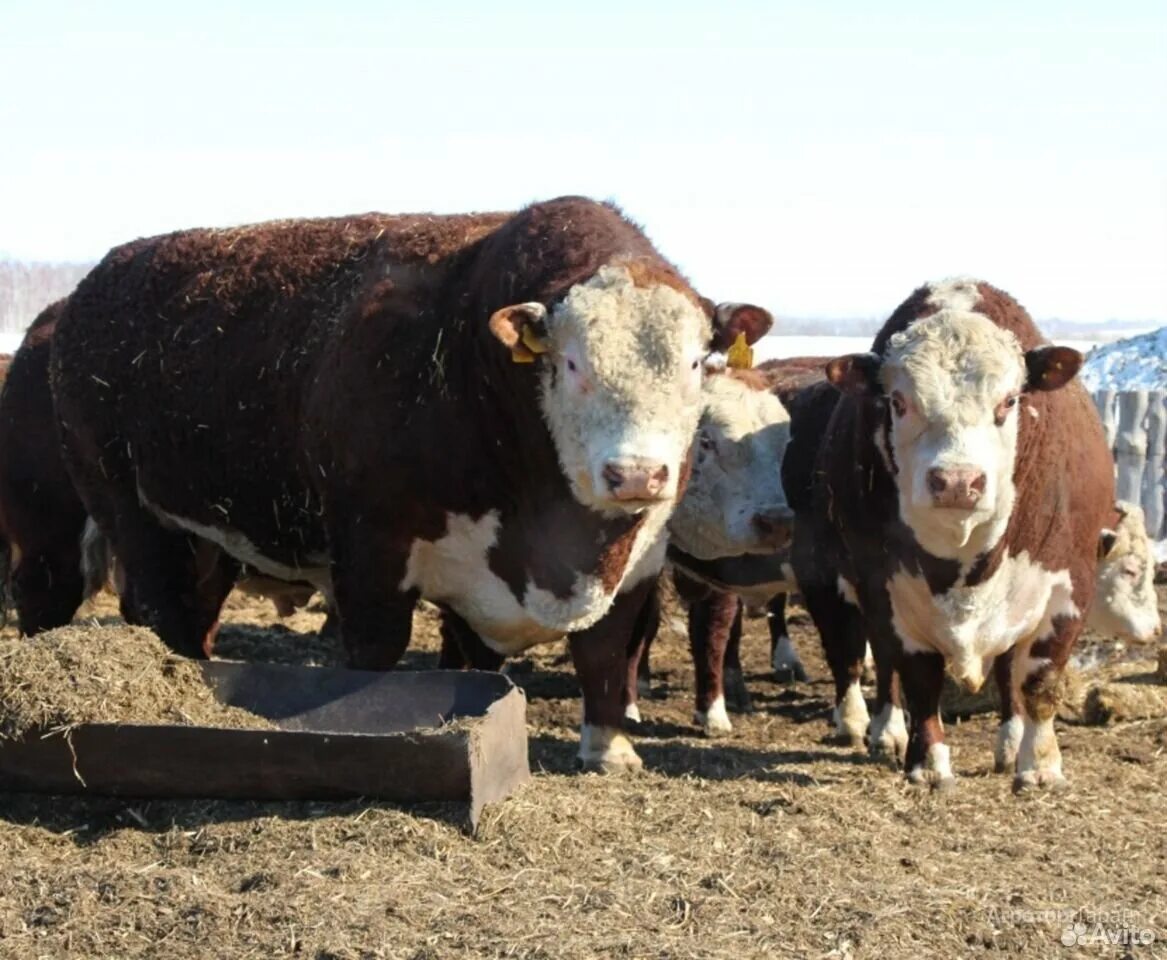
column 1126, row 604
column 734, row 503
column 620, row 388
column 953, row 382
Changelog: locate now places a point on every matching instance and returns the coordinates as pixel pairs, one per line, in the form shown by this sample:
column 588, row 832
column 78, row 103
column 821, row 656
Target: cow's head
column 620, row 377
column 1126, row 604
column 953, row 383
column 734, row 503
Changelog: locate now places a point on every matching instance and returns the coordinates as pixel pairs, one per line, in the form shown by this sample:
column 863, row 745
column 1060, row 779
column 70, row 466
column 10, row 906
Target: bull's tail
column 96, row 558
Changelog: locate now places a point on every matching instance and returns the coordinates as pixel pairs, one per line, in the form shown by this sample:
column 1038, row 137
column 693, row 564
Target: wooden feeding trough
column 440, row 735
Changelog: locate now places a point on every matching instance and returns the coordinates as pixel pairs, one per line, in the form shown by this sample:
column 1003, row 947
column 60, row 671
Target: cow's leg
column 841, row 630
column 375, row 617
column 1037, row 672
column 215, row 576
column 1009, row 732
column 784, row 658
column 462, row 647
column 161, row 571
column 737, row 695
column 889, row 731
column 644, row 632
column 711, row 617
column 922, row 678
column 600, row 654
column 47, row 588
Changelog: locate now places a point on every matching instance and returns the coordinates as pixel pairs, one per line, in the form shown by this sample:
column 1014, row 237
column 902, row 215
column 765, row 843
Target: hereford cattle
column 491, row 411
column 42, row 520
column 1126, row 604
column 956, row 503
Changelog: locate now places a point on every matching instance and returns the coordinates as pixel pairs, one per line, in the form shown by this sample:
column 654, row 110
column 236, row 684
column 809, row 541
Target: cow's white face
column 953, row 382
column 734, row 503
column 621, row 392
column 1125, row 603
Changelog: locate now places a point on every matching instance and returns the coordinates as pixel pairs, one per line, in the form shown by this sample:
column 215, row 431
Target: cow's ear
column 1051, row 368
column 731, row 320
column 1106, row 541
column 856, row 373
column 522, row 327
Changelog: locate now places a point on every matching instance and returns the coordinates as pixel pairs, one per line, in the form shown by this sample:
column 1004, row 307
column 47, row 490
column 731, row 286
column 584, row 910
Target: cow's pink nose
column 636, row 479
column 773, row 527
column 959, row 487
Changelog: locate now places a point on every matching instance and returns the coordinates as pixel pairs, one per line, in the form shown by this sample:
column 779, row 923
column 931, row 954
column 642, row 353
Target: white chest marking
column 455, row 570
column 972, row 625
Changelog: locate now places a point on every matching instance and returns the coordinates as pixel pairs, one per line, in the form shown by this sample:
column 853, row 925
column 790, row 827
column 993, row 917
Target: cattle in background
column 42, row 520
column 956, row 504
column 1126, row 604
column 490, row 411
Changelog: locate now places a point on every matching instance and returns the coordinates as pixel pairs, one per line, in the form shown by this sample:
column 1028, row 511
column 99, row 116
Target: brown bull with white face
column 964, row 481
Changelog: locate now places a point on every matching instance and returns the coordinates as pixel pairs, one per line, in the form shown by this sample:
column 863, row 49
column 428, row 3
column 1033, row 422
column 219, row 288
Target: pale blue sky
column 819, row 158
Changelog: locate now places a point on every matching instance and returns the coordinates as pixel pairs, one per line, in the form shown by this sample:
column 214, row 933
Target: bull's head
column 953, row 383
column 1126, row 604
column 620, row 373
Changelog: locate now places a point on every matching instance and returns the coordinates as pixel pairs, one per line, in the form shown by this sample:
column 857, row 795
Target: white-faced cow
column 956, row 503
column 1126, row 604
column 490, row 411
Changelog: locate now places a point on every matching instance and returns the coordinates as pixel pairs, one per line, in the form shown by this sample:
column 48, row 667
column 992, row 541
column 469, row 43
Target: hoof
column 714, row 721
column 851, row 718
column 632, row 714
column 1033, row 780
column 604, row 750
column 889, row 736
column 790, row 674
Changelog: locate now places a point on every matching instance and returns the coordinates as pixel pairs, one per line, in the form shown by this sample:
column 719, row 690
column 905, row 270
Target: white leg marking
column 632, row 713
column 889, row 733
column 715, row 720
column 1008, row 743
column 1039, row 761
column 851, row 717
column 606, row 750
column 936, row 768
column 785, row 660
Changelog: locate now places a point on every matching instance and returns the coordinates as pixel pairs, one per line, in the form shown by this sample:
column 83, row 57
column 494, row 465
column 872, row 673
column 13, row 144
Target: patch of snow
column 1138, row 363
column 1159, row 550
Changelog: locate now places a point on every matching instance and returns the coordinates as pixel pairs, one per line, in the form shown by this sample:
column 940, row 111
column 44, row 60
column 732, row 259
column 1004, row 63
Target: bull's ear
column 731, row 320
column 523, row 328
column 1106, row 541
column 856, row 373
column 1051, row 368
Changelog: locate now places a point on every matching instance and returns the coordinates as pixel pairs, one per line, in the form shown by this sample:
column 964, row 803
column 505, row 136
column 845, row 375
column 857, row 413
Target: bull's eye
column 695, row 365
column 898, row 404
column 1003, row 408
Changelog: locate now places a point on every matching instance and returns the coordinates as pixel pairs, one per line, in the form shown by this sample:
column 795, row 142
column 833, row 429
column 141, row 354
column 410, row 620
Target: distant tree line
column 27, row 288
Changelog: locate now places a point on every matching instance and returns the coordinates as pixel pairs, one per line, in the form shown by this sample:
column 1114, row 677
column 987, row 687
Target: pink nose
column 773, row 527
column 636, row 479
column 958, row 487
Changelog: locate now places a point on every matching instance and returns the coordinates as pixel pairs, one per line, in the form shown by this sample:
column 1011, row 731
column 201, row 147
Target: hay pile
column 1133, row 691
column 94, row 674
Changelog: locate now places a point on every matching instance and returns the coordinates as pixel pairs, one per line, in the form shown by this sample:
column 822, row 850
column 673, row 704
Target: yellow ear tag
column 532, row 341
column 741, row 355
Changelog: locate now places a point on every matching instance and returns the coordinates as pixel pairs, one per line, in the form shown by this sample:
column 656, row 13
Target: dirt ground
column 772, row 842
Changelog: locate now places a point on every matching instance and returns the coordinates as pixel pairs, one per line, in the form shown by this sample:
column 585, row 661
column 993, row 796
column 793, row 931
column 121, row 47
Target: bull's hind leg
column 47, row 588
column 637, row 682
column 711, row 618
column 462, row 647
column 174, row 583
column 889, row 731
column 841, row 630
column 784, row 659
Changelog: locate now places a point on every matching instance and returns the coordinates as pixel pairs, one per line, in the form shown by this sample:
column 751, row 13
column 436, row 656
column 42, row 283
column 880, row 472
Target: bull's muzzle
column 958, row 488
column 635, row 478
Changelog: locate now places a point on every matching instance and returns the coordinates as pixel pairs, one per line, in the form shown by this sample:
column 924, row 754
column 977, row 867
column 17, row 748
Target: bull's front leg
column 1037, row 670
column 1010, row 730
column 601, row 657
column 711, row 620
column 638, row 681
column 922, row 679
